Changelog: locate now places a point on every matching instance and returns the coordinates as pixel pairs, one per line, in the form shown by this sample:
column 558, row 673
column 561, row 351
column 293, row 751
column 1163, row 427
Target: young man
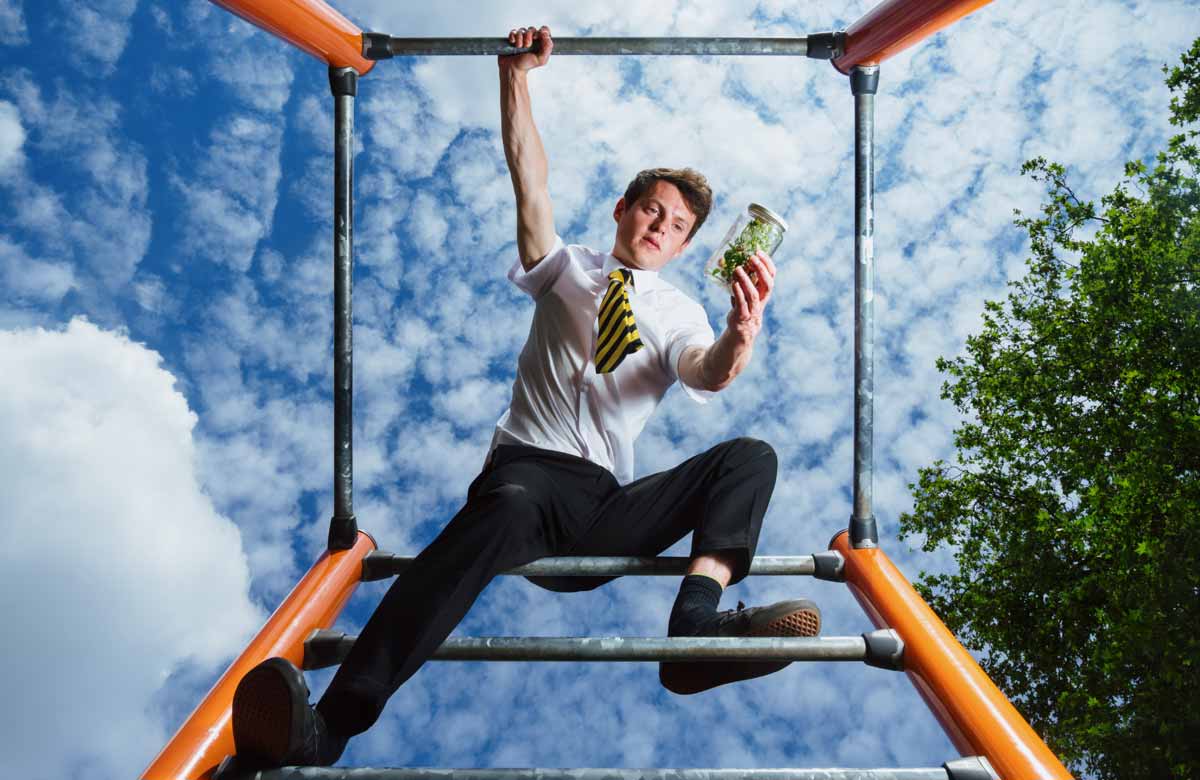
column 608, row 339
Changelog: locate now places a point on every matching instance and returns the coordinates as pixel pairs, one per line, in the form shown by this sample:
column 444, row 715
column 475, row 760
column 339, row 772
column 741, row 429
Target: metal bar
column 328, row 648
column 975, row 715
column 849, row 648
column 316, row 601
column 379, row 565
column 343, row 528
column 324, row 773
column 379, row 46
column 892, row 26
column 310, row 25
column 863, row 83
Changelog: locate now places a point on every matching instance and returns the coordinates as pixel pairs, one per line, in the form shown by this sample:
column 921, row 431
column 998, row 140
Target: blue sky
column 165, row 336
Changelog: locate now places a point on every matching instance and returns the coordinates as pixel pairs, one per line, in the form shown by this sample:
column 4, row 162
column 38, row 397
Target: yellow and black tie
column 617, row 335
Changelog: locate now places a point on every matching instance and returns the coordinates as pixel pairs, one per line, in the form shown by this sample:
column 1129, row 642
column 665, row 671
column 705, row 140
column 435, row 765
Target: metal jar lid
column 762, row 212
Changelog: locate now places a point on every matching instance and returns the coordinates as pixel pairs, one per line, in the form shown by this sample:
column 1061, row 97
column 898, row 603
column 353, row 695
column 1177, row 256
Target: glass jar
column 756, row 228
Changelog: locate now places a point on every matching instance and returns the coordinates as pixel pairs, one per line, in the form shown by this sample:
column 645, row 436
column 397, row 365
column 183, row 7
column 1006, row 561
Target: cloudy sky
column 165, row 340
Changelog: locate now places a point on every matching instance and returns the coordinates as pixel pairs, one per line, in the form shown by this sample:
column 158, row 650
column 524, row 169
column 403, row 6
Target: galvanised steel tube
column 343, row 528
column 693, row 648
column 380, row 565
column 849, row 648
column 380, row 46
column 339, row 773
column 863, row 83
column 328, row 648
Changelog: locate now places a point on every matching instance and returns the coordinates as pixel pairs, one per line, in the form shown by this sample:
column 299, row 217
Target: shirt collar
column 643, row 281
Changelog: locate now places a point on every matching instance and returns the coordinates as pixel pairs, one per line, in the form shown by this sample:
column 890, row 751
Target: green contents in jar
column 755, row 236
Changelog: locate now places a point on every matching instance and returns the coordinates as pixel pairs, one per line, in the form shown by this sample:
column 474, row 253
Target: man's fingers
column 751, row 291
column 767, row 261
column 766, row 277
column 740, row 301
column 762, row 261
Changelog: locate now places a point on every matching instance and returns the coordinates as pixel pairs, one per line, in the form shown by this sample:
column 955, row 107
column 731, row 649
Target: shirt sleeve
column 691, row 329
column 542, row 276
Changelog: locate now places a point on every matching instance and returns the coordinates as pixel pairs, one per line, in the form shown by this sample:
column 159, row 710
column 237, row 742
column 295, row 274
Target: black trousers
column 529, row 503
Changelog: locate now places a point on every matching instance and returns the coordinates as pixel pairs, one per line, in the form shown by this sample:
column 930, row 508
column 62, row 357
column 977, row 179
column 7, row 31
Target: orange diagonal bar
column 894, row 25
column 311, row 25
column 978, row 718
column 206, row 736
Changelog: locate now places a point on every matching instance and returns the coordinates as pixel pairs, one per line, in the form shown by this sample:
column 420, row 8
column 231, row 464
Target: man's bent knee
column 755, row 453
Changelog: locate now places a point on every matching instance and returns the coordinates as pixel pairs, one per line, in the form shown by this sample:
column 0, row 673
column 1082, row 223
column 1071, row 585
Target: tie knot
column 622, row 275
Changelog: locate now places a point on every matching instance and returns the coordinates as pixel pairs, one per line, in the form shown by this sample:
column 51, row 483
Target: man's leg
column 498, row 528
column 518, row 510
column 720, row 496
column 717, row 566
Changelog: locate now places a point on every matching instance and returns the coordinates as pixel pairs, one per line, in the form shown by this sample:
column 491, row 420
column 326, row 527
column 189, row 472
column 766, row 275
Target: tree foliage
column 1073, row 504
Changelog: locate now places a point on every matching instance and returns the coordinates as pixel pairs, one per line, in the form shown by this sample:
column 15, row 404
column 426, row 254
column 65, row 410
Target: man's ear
column 619, row 210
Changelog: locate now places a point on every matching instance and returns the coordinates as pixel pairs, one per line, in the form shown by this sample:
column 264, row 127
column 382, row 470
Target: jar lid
column 765, row 213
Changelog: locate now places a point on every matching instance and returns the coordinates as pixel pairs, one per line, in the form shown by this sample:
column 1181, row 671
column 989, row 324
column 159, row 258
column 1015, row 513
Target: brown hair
column 692, row 186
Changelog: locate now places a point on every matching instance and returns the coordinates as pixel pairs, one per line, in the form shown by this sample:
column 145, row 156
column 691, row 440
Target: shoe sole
column 798, row 618
column 267, row 713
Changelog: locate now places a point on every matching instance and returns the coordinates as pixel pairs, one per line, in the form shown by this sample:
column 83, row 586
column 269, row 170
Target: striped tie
column 617, row 335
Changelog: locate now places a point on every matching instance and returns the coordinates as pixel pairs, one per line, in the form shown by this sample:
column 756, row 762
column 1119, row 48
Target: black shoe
column 273, row 723
column 796, row 618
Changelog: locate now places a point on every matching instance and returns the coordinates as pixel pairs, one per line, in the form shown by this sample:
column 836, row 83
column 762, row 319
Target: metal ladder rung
column 823, row 565
column 881, row 648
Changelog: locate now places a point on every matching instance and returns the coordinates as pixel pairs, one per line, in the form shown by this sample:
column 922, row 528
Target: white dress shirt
column 559, row 402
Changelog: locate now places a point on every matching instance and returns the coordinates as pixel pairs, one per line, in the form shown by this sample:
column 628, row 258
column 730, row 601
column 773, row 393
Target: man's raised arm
column 523, row 146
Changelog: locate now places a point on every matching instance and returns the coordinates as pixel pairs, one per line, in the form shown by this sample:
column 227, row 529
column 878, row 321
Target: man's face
column 654, row 230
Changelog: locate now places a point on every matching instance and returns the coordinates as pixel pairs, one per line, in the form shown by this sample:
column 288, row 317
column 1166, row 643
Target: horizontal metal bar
column 378, row 565
column 324, row 773
column 851, row 648
column 377, row 46
column 328, row 648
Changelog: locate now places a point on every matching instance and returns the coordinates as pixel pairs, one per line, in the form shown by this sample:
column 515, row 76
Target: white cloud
column 32, row 279
column 261, row 80
column 12, row 24
column 231, row 196
column 115, row 569
column 96, row 32
column 172, row 80
column 101, row 221
column 12, row 136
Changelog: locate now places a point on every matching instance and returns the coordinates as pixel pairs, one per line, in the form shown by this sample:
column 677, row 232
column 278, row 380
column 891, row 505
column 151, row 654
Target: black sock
column 695, row 605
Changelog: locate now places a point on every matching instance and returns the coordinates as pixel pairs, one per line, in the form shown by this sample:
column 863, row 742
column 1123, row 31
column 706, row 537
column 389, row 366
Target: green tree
column 1073, row 504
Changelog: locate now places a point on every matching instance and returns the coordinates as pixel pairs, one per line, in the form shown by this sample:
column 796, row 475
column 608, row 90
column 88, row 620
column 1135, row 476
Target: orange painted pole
column 978, row 718
column 206, row 736
column 308, row 24
column 892, row 26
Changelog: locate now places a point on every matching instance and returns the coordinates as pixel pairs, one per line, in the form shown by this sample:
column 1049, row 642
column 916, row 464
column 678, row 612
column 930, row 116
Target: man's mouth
column 652, row 243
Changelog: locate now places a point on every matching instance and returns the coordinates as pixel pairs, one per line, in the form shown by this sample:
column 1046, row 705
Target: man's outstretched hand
column 751, row 291
column 525, row 38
